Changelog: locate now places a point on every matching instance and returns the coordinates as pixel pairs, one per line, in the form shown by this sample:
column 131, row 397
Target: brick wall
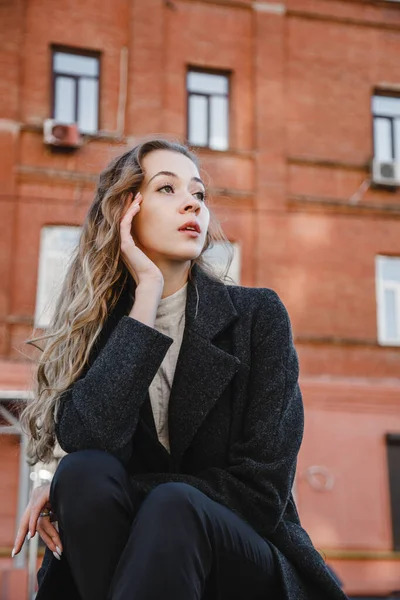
column 301, row 141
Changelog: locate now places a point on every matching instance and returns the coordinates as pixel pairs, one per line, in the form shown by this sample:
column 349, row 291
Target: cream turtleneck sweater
column 170, row 321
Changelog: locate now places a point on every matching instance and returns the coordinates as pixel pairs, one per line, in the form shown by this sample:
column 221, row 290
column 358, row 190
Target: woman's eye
column 200, row 196
column 167, row 188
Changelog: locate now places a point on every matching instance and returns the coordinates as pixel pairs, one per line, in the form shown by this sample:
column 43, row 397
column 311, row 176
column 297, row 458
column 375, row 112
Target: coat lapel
column 203, row 370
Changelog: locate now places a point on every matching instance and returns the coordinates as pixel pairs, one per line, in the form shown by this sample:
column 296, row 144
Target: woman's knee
column 81, row 479
column 174, row 513
column 172, row 498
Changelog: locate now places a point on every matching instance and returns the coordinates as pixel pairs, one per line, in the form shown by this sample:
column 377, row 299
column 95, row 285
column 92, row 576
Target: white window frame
column 382, row 286
column 392, row 120
column 76, row 78
column 208, row 97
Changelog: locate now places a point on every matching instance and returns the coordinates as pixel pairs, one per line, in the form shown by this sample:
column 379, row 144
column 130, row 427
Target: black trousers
column 176, row 544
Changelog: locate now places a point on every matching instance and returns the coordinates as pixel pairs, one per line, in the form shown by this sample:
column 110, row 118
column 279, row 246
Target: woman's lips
column 190, row 232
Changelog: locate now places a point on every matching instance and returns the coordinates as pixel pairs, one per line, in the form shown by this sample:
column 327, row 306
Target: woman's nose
column 191, row 205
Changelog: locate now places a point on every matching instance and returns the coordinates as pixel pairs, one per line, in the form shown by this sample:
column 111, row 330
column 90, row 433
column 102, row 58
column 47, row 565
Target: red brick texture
column 302, row 76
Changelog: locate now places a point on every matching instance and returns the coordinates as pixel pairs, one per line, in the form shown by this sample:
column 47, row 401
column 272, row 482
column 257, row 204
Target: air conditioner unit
column 60, row 135
column 386, row 172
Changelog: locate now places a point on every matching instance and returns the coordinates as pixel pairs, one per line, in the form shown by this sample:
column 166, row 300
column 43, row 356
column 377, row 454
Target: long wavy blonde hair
column 93, row 284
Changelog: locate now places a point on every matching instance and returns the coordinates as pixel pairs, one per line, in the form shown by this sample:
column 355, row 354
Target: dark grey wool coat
column 235, row 420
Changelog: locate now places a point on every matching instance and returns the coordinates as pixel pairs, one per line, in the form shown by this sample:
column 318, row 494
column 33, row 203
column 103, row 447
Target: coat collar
column 209, row 308
column 203, row 371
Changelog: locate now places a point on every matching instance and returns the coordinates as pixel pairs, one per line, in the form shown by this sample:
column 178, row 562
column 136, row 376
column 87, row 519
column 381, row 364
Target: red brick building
column 295, row 108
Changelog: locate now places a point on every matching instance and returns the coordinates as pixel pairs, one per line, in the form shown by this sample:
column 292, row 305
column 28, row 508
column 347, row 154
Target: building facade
column 294, row 109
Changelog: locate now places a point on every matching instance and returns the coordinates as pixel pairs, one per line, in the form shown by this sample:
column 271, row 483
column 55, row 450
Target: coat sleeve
column 258, row 480
column 101, row 410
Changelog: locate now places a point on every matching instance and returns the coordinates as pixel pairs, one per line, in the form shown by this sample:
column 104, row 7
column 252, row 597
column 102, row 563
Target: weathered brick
column 301, row 140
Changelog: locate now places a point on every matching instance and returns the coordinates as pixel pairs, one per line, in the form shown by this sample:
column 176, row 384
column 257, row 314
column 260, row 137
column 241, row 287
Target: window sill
column 311, row 161
column 104, row 136
column 385, row 344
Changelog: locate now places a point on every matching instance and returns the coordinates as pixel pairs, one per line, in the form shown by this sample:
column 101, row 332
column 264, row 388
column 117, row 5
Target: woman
column 176, row 398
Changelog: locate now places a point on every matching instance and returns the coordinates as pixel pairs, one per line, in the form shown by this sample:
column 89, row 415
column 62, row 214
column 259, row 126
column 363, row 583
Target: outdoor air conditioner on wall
column 59, row 135
column 386, row 173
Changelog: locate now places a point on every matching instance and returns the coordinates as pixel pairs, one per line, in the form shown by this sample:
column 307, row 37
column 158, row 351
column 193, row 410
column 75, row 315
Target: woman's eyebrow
column 170, row 174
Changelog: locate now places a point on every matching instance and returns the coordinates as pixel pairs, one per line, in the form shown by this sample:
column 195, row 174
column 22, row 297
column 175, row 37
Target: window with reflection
column 76, row 89
column 208, row 109
column 224, row 258
column 57, row 246
column 388, row 299
column 386, row 120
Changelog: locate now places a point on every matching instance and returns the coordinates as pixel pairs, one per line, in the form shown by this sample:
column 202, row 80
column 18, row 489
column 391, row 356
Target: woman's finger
column 49, row 543
column 49, row 535
column 131, row 202
column 131, row 205
column 39, row 501
column 132, row 208
column 22, row 531
column 36, row 509
column 126, row 222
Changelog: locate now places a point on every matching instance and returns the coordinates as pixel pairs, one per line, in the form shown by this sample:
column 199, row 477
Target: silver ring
column 45, row 513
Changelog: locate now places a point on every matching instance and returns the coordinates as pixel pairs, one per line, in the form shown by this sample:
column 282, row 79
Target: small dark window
column 386, row 116
column 208, row 109
column 393, row 450
column 76, row 88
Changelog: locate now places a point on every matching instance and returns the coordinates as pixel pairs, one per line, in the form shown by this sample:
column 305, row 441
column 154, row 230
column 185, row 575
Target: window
column 217, row 258
column 386, row 116
column 76, row 89
column 56, row 247
column 388, row 299
column 208, row 109
column 393, row 453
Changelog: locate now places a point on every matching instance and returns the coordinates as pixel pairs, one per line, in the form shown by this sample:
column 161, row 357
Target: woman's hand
column 31, row 522
column 142, row 269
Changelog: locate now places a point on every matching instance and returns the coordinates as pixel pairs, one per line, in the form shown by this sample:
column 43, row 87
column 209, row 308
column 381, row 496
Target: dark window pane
column 393, row 449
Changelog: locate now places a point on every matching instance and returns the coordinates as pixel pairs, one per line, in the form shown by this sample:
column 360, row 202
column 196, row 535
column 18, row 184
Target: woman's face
column 173, row 199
